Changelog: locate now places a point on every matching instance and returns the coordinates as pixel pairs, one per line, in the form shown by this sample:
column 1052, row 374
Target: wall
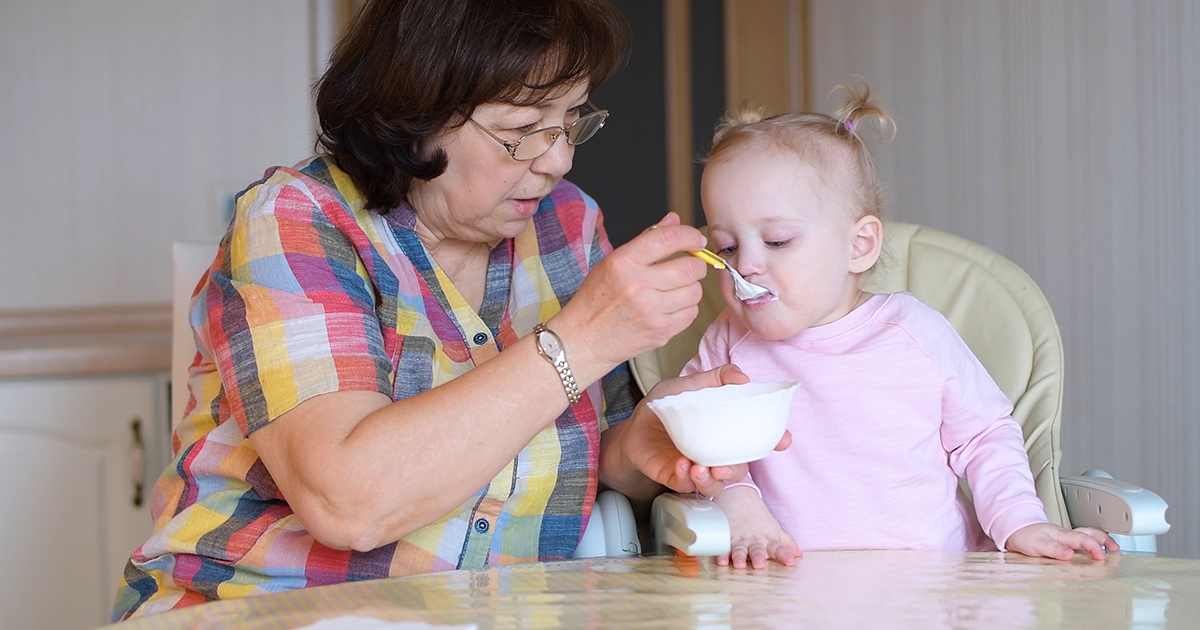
column 1066, row 136
column 129, row 124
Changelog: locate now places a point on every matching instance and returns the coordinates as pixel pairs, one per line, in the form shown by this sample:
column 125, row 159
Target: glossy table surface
column 846, row 589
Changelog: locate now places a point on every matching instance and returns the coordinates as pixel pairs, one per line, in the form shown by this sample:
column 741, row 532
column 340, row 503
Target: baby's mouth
column 769, row 297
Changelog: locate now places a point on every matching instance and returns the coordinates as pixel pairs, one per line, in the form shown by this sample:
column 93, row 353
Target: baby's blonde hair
column 825, row 142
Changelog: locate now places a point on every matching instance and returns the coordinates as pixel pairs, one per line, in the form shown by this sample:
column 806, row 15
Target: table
column 840, row 589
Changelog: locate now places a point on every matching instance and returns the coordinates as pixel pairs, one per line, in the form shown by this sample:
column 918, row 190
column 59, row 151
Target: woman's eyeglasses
column 535, row 143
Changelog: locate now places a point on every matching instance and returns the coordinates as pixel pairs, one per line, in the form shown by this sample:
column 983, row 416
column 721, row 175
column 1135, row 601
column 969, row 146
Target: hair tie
column 849, row 125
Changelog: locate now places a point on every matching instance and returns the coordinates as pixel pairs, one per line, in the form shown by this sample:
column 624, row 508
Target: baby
column 893, row 408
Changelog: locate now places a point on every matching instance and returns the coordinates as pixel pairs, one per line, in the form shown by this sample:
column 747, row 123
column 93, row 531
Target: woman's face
column 485, row 195
column 778, row 222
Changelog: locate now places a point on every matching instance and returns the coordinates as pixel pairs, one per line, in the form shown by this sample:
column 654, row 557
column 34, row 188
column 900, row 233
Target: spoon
column 742, row 288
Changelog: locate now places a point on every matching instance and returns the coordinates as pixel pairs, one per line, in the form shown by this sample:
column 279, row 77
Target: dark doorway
column 625, row 166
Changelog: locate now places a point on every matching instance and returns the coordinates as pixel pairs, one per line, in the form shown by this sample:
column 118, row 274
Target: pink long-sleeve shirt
column 892, row 410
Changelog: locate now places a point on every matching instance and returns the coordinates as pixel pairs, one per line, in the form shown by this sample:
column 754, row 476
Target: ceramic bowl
column 730, row 424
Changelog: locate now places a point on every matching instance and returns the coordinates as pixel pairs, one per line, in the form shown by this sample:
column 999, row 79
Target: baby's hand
column 754, row 532
column 1047, row 540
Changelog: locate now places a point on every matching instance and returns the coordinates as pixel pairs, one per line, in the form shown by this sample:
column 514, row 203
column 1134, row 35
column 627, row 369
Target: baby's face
column 775, row 219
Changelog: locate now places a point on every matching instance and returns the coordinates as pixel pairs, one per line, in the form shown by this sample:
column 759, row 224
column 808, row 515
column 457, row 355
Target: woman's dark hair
column 407, row 69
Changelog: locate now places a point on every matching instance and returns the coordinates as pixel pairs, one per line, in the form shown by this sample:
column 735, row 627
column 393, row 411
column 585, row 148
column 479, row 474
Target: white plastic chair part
column 692, row 524
column 612, row 529
column 1132, row 515
column 189, row 261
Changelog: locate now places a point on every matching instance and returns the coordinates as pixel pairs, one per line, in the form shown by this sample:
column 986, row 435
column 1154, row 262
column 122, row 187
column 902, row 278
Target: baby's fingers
column 1085, row 542
column 787, row 554
column 737, row 557
column 783, row 556
column 1055, row 549
column 758, row 556
column 1101, row 537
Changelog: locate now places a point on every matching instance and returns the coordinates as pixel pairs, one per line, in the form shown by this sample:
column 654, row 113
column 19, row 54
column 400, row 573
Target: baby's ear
column 868, row 243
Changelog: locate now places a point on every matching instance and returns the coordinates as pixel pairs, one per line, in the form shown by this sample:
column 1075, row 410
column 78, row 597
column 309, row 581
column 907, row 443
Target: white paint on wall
column 126, row 124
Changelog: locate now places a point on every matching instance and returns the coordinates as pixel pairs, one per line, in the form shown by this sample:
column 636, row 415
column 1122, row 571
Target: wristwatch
column 550, row 346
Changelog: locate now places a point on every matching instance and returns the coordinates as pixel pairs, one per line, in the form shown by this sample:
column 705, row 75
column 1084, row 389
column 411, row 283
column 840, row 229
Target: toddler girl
column 893, row 408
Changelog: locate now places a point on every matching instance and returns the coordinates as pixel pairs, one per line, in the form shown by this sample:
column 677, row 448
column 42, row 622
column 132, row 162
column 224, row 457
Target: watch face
column 549, row 343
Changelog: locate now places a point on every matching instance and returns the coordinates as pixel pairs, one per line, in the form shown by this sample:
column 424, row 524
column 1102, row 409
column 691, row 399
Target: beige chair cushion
column 993, row 304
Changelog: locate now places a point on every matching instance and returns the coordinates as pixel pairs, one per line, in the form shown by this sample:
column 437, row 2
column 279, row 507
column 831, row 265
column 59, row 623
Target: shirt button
column 480, row 339
column 482, row 525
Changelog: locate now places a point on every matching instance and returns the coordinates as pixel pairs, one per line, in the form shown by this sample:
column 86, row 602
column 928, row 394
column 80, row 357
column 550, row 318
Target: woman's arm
column 361, row 471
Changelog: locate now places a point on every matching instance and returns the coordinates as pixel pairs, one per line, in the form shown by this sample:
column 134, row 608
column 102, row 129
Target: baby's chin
column 770, row 321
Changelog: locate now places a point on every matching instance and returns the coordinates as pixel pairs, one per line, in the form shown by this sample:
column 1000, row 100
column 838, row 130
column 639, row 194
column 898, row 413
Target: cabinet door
column 70, row 452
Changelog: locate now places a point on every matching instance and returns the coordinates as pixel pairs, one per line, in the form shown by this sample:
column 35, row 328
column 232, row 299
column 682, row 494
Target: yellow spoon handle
column 710, row 258
column 705, row 255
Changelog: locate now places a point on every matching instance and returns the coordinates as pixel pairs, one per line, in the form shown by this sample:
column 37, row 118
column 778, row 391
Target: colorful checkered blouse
column 311, row 294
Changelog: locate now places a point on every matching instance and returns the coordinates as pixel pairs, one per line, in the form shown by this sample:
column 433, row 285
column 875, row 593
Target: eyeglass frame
column 511, row 147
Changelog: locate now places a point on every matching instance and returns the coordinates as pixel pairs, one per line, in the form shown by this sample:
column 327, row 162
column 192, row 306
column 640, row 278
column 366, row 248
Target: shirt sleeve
column 984, row 443
column 290, row 310
column 619, row 397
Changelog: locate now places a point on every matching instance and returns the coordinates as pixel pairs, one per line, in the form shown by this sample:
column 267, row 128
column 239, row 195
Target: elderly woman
column 412, row 346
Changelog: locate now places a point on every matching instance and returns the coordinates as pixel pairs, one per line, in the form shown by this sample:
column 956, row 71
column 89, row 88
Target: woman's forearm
column 361, row 471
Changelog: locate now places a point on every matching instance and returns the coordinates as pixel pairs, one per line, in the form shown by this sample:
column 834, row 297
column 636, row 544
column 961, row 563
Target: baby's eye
column 727, row 251
column 778, row 244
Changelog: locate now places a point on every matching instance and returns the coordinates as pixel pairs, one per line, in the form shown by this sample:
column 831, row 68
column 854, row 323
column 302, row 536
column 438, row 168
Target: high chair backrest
column 993, row 304
column 189, row 261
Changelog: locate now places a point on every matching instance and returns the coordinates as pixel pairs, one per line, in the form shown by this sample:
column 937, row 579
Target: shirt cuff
column 1015, row 518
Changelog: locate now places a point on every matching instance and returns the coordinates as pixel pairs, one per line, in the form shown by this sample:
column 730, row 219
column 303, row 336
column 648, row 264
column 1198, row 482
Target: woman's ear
column 868, row 243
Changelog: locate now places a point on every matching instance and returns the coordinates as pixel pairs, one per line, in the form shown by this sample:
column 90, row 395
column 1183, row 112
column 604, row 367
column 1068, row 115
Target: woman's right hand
column 638, row 457
column 636, row 299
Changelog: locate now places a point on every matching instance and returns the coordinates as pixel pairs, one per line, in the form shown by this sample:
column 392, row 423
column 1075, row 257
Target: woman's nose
column 557, row 160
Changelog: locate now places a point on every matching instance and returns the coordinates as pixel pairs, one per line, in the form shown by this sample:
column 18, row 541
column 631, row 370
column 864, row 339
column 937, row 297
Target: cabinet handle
column 137, row 461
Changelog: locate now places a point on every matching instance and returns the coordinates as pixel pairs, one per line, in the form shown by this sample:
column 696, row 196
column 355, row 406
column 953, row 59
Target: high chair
column 1006, row 321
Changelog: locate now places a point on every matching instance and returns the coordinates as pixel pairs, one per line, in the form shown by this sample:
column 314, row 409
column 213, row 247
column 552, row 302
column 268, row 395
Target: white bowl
column 730, row 424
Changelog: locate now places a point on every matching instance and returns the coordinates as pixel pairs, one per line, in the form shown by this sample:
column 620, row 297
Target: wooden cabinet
column 71, row 451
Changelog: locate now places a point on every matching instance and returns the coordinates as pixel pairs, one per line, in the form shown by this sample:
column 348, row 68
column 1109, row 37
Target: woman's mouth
column 526, row 207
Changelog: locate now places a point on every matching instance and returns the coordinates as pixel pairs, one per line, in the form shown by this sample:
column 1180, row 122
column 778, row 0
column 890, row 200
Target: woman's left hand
column 638, row 456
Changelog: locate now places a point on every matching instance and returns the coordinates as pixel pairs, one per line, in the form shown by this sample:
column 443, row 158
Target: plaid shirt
column 311, row 294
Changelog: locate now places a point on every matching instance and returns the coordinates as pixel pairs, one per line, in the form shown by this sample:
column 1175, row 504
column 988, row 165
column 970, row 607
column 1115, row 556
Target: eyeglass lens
column 538, row 142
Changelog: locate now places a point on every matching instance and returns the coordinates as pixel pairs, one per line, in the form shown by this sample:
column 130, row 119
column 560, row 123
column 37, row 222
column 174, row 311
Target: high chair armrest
column 1098, row 500
column 692, row 524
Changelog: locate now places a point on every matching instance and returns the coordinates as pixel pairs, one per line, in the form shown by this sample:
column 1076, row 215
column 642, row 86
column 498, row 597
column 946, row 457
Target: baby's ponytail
column 857, row 108
column 746, row 114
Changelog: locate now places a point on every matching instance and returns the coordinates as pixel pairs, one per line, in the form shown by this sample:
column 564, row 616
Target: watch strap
column 560, row 363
